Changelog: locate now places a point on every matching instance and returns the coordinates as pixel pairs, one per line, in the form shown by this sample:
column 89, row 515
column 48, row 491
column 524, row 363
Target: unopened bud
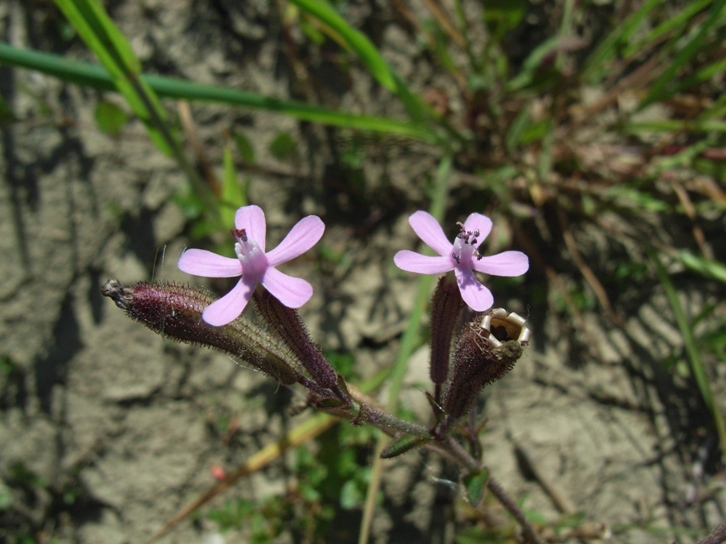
column 486, row 350
column 175, row 311
column 446, row 307
column 286, row 324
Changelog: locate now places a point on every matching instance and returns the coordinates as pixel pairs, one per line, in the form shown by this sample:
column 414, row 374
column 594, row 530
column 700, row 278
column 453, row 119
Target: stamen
column 240, row 235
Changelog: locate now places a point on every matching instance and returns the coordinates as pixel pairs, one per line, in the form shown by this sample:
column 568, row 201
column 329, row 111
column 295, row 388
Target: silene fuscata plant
column 464, row 357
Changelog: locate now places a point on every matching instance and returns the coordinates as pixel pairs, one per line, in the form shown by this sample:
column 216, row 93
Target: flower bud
column 446, row 307
column 175, row 311
column 486, row 350
column 286, row 324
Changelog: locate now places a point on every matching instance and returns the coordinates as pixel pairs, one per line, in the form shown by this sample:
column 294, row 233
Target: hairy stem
column 496, row 489
column 452, row 449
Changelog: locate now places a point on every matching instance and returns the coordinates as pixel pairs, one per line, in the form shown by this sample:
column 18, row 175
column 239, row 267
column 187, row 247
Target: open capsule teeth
column 516, row 319
column 524, row 336
column 499, row 313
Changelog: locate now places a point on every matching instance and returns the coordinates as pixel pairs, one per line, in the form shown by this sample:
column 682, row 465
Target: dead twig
column 585, row 270
column 187, row 122
column 717, row 536
column 443, row 19
column 558, row 497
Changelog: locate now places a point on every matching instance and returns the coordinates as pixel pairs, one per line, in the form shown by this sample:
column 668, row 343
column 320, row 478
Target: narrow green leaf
column 357, row 42
column 698, row 370
column 504, row 15
column 532, row 64
column 679, row 20
column 352, row 39
column 95, row 76
column 6, row 112
column 100, row 34
column 675, row 125
column 517, row 126
column 638, row 200
column 711, row 269
column 704, row 74
column 596, row 65
column 110, row 118
column 404, row 444
column 233, row 194
column 663, row 87
column 475, row 485
column 244, row 147
column 284, row 147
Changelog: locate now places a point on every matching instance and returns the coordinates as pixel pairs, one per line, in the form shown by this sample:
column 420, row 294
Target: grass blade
column 596, row 65
column 356, row 41
column 352, row 39
column 661, row 87
column 100, row 34
column 95, row 76
column 674, row 24
column 709, row 268
column 694, row 356
column 234, row 194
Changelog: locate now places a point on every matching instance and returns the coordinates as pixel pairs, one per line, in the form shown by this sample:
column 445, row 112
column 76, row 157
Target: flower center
column 465, row 247
column 253, row 259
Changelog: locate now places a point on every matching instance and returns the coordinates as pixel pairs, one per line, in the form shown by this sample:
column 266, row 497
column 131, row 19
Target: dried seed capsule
column 486, row 350
column 175, row 311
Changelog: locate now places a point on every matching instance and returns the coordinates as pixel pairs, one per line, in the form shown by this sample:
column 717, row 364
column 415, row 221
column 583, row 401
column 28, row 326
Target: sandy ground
column 95, row 407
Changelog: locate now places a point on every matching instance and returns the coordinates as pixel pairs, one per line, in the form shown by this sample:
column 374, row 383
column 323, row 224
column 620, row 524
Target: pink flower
column 462, row 257
column 254, row 265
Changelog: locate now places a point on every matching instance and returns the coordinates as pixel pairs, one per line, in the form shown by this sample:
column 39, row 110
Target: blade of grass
column 351, row 39
column 674, row 24
column 675, row 125
column 661, row 87
column 694, row 356
column 234, row 194
column 532, row 63
column 596, row 65
column 95, row 76
column 409, row 341
column 357, row 42
column 102, row 37
column 707, row 267
column 174, row 88
column 704, row 74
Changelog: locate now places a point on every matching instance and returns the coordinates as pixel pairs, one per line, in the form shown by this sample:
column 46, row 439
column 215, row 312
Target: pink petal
column 508, row 263
column 292, row 292
column 230, row 306
column 410, row 261
column 200, row 262
column 304, row 235
column 428, row 229
column 252, row 219
column 482, row 223
column 476, row 296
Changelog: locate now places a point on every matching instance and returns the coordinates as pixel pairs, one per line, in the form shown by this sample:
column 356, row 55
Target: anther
column 240, row 235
